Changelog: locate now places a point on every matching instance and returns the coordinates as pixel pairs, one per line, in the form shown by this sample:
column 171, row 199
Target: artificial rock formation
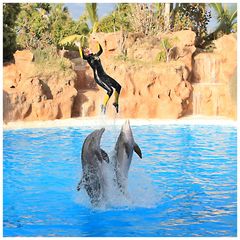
column 150, row 89
column 214, row 76
column 29, row 95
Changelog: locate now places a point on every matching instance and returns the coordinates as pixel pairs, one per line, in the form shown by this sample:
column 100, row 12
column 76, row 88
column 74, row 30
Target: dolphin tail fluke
column 137, row 150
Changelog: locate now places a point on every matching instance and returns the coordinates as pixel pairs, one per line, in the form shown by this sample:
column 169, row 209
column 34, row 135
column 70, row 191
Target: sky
column 76, row 10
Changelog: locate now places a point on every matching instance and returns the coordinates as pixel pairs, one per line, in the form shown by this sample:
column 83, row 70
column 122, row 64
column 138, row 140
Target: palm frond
column 95, row 27
column 218, row 7
column 92, row 12
column 73, row 38
column 233, row 16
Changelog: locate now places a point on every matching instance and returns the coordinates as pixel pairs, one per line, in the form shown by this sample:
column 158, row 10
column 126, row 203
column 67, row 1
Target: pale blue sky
column 76, row 10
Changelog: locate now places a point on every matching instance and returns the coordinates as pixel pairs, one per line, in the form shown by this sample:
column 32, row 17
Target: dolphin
column 124, row 148
column 92, row 159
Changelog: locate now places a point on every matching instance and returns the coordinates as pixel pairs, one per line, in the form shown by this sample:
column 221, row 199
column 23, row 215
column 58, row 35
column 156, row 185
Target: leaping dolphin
column 92, row 159
column 124, row 148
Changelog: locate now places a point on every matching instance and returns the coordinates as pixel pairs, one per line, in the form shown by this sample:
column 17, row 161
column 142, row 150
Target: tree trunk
column 166, row 16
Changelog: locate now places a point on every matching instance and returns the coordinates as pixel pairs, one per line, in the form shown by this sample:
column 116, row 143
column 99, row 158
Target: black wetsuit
column 100, row 76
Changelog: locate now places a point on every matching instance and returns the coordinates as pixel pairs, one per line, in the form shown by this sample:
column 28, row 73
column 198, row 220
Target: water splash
column 141, row 191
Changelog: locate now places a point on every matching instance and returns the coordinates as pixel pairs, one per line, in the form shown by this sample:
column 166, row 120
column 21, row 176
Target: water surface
column 185, row 185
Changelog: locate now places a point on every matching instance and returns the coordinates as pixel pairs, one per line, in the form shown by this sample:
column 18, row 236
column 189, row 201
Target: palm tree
column 81, row 40
column 226, row 19
column 91, row 9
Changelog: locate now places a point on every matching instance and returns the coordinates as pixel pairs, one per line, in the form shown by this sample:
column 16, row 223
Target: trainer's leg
column 117, row 91
column 109, row 90
column 107, row 96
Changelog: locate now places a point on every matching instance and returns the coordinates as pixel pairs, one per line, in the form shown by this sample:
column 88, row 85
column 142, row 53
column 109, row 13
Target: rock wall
column 150, row 89
column 214, row 77
column 28, row 95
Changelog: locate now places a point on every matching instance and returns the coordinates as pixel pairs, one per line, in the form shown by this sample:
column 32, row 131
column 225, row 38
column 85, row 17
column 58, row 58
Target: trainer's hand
column 78, row 44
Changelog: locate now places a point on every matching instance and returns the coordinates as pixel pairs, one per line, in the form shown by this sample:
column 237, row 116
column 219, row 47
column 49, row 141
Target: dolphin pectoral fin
column 137, row 150
column 99, row 156
column 105, row 156
column 102, row 155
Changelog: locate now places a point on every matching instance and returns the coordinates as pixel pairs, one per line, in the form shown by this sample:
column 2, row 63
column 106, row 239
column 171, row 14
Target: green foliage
column 62, row 25
column 123, row 16
column 166, row 45
column 60, row 22
column 91, row 9
column 181, row 21
column 75, row 39
column 108, row 24
column 42, row 25
column 192, row 16
column 10, row 12
column 234, row 27
column 227, row 18
column 161, row 56
column 45, row 55
column 32, row 26
column 136, row 17
column 44, row 58
column 117, row 20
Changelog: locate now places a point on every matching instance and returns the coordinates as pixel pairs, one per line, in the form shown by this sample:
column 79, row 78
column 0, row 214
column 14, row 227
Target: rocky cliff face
column 150, row 89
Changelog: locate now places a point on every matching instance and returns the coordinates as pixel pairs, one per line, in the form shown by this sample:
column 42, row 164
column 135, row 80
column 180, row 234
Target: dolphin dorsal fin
column 137, row 150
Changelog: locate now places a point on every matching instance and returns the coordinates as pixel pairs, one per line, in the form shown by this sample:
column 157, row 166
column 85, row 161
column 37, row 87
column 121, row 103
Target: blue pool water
column 185, row 185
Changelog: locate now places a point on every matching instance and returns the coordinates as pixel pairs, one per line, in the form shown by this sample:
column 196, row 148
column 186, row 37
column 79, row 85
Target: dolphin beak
column 99, row 134
column 126, row 127
column 102, row 155
column 127, row 123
